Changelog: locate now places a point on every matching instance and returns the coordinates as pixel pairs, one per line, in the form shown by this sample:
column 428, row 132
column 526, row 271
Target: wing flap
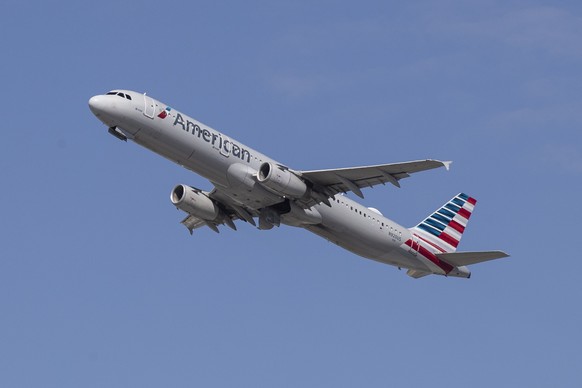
column 459, row 259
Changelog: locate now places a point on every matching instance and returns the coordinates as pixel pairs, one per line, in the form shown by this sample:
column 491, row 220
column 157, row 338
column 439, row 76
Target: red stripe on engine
column 449, row 239
column 458, row 227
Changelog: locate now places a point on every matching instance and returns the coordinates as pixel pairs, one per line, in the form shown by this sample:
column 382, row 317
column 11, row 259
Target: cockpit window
column 122, row 95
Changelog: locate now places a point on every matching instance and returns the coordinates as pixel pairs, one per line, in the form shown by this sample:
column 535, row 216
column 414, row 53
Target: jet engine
column 195, row 202
column 282, row 181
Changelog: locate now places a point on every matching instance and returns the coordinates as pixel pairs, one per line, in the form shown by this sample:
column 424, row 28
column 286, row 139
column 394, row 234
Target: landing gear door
column 150, row 107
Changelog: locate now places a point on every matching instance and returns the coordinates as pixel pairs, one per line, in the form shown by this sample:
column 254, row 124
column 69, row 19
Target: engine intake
column 195, row 202
column 281, row 180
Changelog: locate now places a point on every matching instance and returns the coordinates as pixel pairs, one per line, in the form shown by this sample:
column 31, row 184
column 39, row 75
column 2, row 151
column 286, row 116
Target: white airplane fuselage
column 232, row 167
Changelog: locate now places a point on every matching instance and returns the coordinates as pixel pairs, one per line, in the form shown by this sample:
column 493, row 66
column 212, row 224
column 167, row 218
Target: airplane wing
column 331, row 182
column 326, row 183
column 459, row 259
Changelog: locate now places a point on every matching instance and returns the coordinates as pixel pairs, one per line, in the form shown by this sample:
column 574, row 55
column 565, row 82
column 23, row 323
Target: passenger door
column 150, row 107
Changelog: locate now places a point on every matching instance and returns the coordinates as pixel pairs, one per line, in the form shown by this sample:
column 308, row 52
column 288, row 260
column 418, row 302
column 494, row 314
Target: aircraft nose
column 97, row 105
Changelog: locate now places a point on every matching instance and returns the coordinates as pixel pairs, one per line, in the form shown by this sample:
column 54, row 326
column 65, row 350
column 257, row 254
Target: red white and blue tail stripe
column 444, row 228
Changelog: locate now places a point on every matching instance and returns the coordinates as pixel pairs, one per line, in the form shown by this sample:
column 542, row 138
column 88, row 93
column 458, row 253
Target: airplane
column 249, row 185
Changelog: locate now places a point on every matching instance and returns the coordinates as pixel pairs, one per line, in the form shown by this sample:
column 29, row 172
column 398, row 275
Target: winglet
column 447, row 164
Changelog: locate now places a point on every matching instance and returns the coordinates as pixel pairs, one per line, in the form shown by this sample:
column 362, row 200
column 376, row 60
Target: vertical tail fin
column 445, row 227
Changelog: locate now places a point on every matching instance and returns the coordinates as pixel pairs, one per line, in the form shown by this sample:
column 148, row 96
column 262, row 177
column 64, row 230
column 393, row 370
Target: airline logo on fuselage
column 224, row 146
column 163, row 114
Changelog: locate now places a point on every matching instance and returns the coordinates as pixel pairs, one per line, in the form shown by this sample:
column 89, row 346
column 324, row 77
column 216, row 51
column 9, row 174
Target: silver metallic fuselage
column 232, row 166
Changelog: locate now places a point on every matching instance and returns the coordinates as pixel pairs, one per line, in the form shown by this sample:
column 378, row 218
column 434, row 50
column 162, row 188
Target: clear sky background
column 100, row 286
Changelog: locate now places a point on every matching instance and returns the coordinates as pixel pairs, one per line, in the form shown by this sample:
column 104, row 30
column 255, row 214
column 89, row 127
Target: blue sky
column 100, row 286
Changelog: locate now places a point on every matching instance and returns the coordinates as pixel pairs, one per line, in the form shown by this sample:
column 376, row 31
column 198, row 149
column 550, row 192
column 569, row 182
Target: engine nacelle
column 195, row 202
column 281, row 180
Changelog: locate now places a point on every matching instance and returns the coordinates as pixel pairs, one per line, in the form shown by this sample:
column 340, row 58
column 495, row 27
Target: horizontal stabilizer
column 413, row 273
column 459, row 259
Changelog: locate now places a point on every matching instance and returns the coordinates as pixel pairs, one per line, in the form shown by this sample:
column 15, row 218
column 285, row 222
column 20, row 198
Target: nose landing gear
column 115, row 132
